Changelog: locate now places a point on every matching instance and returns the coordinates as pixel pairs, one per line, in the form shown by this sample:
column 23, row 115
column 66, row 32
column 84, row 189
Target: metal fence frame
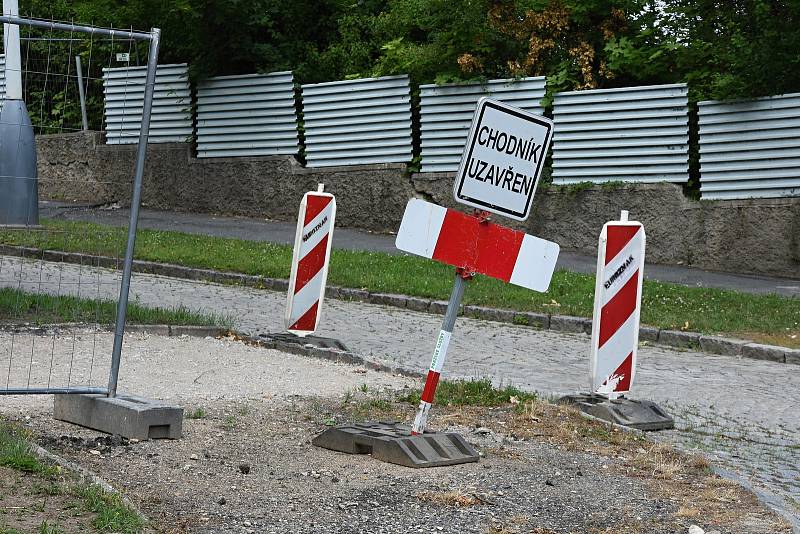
column 446, row 114
column 750, row 148
column 247, row 115
column 643, row 134
column 343, row 120
column 154, row 37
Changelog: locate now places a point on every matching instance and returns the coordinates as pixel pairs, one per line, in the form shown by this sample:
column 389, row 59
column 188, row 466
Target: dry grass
column 565, row 427
column 683, row 479
column 450, row 498
column 688, row 513
column 788, row 338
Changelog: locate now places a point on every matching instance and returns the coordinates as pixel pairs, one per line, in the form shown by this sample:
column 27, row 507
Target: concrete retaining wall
column 748, row 236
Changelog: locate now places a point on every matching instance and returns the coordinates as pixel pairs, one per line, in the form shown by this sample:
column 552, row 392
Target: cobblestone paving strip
column 741, row 412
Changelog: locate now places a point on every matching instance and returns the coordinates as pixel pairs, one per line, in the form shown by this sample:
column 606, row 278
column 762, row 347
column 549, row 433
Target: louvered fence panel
column 447, row 110
column 171, row 119
column 750, row 149
column 251, row 115
column 356, row 122
column 631, row 134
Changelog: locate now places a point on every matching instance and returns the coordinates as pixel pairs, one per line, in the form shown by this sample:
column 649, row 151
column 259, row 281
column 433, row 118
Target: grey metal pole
column 440, row 352
column 459, row 284
column 81, row 92
column 19, row 186
column 141, row 153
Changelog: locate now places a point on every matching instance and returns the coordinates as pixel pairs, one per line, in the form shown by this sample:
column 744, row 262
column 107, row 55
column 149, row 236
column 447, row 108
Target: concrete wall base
column 760, row 236
column 129, row 416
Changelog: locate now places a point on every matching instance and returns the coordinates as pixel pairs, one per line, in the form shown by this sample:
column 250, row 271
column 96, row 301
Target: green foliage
column 736, row 49
column 197, row 413
column 731, row 49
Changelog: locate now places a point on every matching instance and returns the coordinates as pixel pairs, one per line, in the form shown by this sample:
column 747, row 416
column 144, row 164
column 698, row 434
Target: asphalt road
column 350, row 239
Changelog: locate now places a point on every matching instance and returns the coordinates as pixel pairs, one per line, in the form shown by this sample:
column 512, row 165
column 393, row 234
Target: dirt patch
column 248, row 466
column 33, row 503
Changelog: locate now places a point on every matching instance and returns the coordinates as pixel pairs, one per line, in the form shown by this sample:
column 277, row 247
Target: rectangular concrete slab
column 392, row 442
column 126, row 415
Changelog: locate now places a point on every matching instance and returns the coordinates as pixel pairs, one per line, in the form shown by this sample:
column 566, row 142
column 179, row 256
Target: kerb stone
column 676, row 338
column 757, row 351
column 129, row 416
column 722, row 345
column 566, row 323
column 648, row 333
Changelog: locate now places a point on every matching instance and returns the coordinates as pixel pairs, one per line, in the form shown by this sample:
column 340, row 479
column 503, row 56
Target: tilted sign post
column 499, row 171
column 474, row 246
column 615, row 330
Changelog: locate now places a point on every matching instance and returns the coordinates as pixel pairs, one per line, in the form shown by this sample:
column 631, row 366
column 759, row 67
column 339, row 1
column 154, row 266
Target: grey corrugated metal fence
column 171, row 119
column 252, row 115
column 634, row 134
column 358, row 121
column 750, row 148
column 447, row 110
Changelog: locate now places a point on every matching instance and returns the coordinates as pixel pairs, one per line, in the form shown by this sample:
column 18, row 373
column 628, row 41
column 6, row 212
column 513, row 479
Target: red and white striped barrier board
column 476, row 246
column 617, row 303
column 312, row 250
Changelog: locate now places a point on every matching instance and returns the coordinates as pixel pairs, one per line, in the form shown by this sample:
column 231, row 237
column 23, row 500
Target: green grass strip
column 664, row 305
column 478, row 392
column 20, row 306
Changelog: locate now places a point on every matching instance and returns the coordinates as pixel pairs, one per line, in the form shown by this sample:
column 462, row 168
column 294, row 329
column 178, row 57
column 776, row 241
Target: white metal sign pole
column 12, row 51
column 440, row 352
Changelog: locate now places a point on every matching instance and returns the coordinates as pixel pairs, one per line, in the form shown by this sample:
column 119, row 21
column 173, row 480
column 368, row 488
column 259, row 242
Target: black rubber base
column 392, row 442
column 315, row 341
column 642, row 415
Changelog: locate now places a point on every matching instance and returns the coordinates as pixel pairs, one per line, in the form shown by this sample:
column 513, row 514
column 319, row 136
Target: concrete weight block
column 129, row 416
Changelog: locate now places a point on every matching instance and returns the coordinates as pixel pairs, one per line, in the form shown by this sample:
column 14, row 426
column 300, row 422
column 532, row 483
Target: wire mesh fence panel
column 2, row 79
column 63, row 284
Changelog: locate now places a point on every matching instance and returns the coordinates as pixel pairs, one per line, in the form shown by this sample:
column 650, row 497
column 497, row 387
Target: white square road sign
column 503, row 159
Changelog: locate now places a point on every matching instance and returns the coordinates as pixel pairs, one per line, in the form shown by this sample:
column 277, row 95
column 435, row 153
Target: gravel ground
column 246, row 464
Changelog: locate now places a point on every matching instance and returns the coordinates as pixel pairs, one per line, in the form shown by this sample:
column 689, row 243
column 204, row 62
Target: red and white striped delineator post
column 617, row 303
column 474, row 246
column 312, row 251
